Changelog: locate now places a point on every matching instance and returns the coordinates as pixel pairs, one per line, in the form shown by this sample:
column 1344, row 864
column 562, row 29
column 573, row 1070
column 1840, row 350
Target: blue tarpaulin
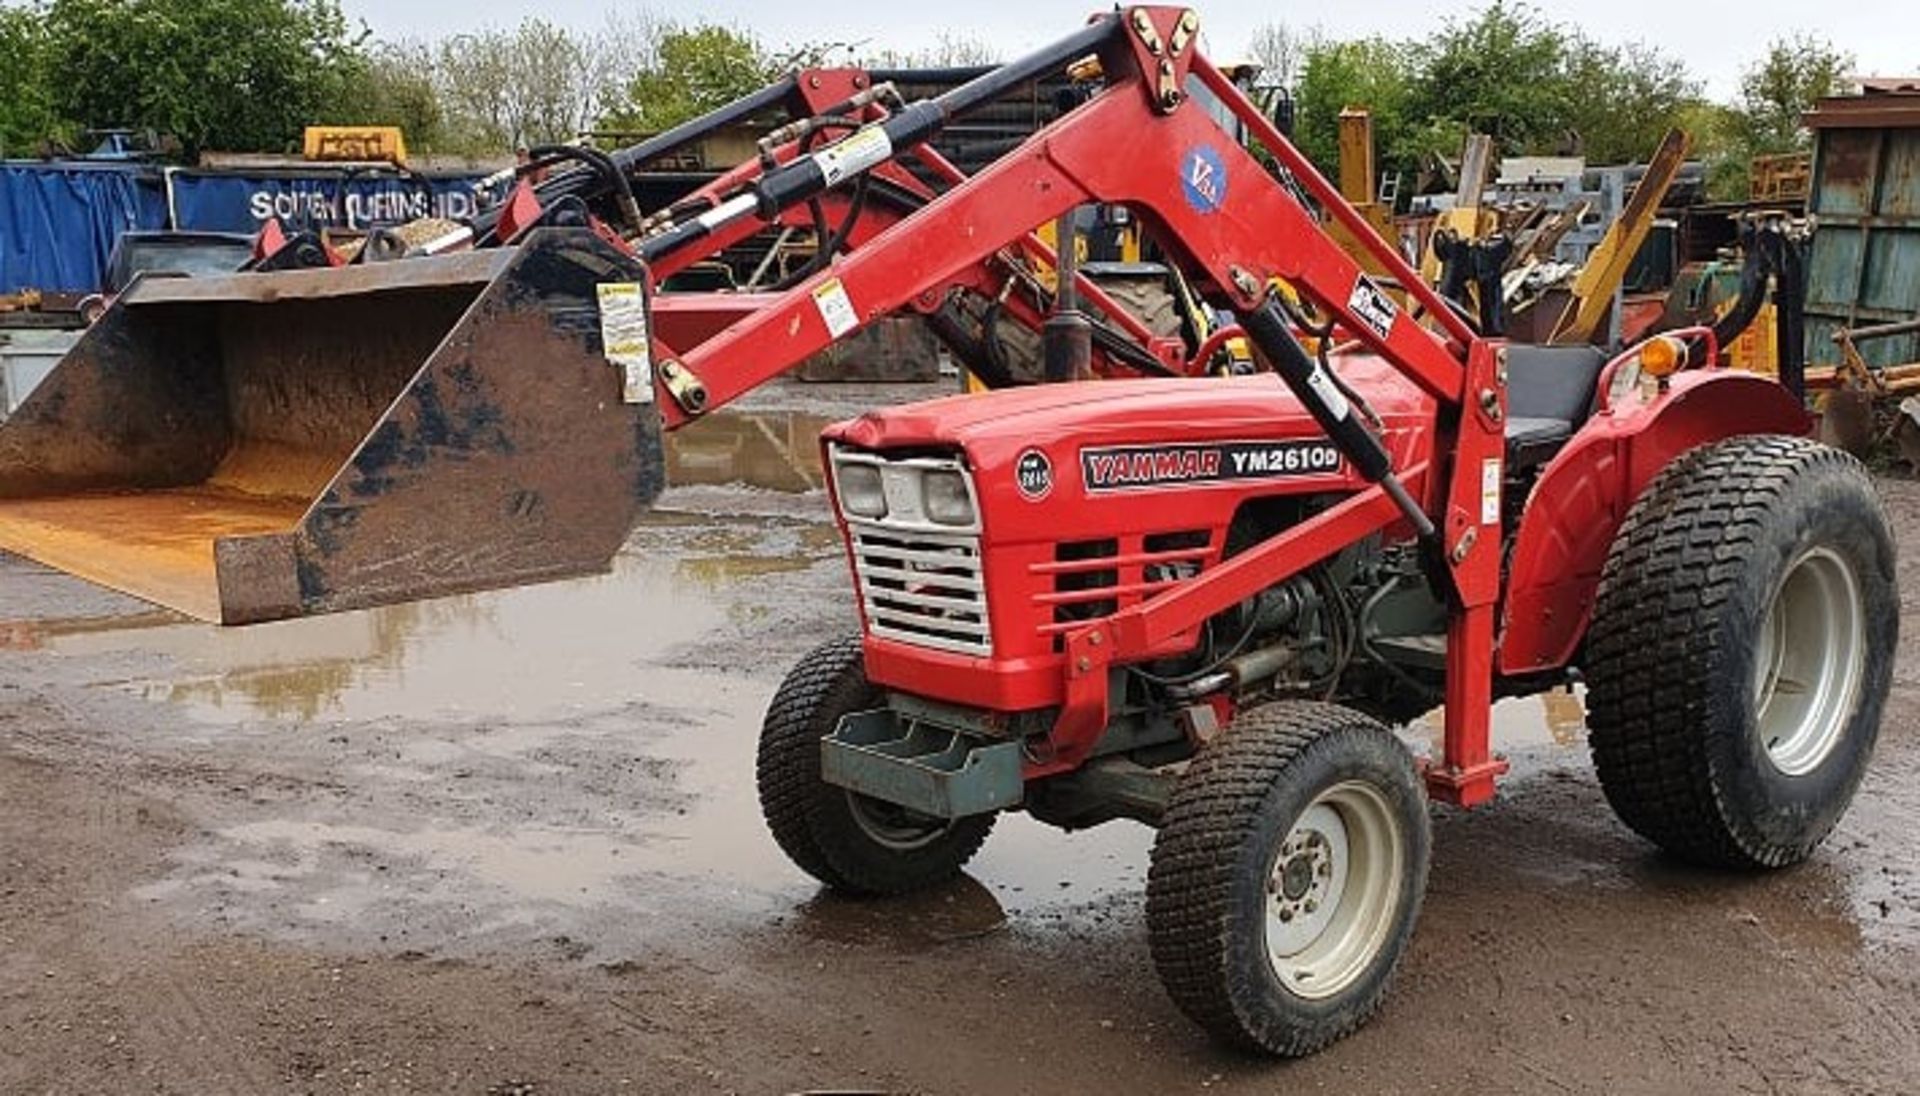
column 241, row 203
column 58, row 221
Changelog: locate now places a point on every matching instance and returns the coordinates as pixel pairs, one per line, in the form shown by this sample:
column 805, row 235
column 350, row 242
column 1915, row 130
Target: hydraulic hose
column 601, row 164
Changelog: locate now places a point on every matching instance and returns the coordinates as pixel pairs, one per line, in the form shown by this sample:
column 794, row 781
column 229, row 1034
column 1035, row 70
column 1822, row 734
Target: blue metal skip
column 1864, row 268
column 59, row 220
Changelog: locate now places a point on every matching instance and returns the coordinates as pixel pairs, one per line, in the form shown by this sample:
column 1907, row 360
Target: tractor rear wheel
column 1287, row 876
column 1741, row 651
column 1147, row 299
column 848, row 841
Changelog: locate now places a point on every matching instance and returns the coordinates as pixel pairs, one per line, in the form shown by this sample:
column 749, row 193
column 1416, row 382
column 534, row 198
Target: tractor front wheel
column 1741, row 651
column 1287, row 877
column 848, row 841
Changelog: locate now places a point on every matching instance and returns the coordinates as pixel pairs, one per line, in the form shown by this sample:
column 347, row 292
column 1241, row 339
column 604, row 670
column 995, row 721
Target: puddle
column 513, row 655
column 536, row 865
column 1554, row 719
column 963, row 909
column 773, row 450
column 1024, row 865
column 519, row 754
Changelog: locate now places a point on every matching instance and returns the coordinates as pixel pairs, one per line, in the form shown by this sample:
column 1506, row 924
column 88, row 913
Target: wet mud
column 510, row 840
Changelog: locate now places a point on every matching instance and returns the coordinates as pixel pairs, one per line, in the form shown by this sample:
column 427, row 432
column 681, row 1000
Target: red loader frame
column 821, row 95
column 1139, row 142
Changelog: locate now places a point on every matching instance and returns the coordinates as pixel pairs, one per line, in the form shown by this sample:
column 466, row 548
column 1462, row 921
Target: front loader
column 305, row 439
column 1194, row 602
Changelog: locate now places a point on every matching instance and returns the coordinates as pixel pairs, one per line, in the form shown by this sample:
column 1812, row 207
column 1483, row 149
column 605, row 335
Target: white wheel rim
column 1809, row 661
column 893, row 827
column 1331, row 891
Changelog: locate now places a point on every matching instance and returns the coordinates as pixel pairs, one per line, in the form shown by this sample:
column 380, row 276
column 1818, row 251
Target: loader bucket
column 260, row 446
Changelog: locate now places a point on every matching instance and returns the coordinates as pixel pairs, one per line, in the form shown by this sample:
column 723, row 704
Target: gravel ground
column 507, row 843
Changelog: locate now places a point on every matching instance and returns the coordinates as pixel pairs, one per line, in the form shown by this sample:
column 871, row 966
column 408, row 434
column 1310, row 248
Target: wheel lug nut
column 1286, row 914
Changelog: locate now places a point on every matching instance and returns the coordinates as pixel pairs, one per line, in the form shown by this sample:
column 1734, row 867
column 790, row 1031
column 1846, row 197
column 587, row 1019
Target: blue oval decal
column 1203, row 176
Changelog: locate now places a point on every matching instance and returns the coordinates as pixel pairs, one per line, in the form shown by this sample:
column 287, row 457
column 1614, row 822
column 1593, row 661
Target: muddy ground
column 508, row 843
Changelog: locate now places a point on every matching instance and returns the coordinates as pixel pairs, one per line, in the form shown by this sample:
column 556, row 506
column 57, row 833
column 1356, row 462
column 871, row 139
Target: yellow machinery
column 355, row 144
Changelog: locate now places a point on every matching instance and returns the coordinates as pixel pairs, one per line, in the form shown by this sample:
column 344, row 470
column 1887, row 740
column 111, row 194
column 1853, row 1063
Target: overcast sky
column 1717, row 37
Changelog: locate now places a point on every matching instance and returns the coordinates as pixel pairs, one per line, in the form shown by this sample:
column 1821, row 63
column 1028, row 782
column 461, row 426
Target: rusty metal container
column 261, row 446
column 1864, row 266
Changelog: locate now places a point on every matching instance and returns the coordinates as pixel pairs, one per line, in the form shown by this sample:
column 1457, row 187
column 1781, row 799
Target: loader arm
column 687, row 319
column 818, row 101
column 1225, row 216
column 1070, row 163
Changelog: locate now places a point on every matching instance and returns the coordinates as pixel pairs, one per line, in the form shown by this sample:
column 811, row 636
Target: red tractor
column 1202, row 603
column 1195, row 601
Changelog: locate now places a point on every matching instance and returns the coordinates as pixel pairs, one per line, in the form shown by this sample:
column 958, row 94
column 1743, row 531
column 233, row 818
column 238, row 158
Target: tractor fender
column 1584, row 494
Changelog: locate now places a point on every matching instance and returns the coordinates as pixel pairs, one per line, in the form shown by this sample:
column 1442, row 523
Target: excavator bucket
column 261, row 446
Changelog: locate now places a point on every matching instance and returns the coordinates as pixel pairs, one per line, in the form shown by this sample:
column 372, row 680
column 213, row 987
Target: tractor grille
column 1092, row 579
column 923, row 587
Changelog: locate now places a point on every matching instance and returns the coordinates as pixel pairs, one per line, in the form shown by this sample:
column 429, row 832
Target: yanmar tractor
column 1202, row 603
column 1195, row 601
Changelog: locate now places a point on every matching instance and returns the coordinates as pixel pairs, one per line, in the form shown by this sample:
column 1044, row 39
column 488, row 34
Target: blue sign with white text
column 1203, row 177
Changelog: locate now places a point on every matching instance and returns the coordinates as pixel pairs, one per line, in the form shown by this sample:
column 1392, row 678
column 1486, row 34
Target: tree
column 1535, row 86
column 1720, row 145
column 26, row 93
column 1621, row 101
column 241, row 75
column 693, row 70
column 1366, row 72
column 1281, row 52
column 1782, row 86
column 949, row 50
column 394, row 86
column 1500, row 73
column 511, row 89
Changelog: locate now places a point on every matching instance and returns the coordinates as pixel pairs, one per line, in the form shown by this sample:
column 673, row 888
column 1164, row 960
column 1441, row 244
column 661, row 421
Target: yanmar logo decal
column 1130, row 467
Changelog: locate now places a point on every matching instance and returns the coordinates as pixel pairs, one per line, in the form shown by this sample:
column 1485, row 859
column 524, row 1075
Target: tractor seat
column 1550, row 393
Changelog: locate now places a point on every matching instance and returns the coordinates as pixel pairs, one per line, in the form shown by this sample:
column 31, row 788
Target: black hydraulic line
column 1774, row 261
column 633, row 158
column 1323, row 336
column 1124, row 350
column 958, row 74
column 601, row 164
column 827, row 240
column 1761, row 259
column 968, row 349
column 1790, row 316
column 913, row 125
column 1267, row 325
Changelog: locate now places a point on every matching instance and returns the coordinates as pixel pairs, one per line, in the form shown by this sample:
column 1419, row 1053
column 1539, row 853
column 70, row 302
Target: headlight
column 860, row 491
column 946, row 498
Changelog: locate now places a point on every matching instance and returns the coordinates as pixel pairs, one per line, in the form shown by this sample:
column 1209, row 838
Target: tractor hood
column 1119, row 411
